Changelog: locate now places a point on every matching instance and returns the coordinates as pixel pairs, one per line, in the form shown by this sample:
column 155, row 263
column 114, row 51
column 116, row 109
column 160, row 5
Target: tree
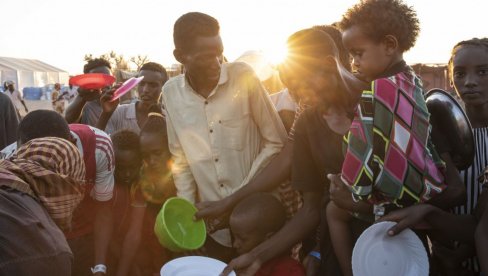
column 118, row 62
column 139, row 60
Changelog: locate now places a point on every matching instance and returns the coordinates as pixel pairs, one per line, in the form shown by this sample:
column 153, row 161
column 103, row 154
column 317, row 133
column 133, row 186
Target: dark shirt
column 317, row 151
column 8, row 121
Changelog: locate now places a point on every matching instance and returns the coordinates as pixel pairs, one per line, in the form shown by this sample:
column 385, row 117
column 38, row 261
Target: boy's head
column 255, row 219
column 153, row 141
column 127, row 156
column 310, row 69
column 149, row 89
column 42, row 123
column 198, row 46
column 97, row 65
column 468, row 71
column 377, row 33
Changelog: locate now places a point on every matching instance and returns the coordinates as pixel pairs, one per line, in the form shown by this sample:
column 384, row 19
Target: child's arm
column 132, row 238
column 340, row 235
column 341, row 196
column 455, row 193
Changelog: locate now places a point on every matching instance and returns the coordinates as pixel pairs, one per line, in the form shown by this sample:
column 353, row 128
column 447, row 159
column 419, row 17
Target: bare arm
column 453, row 227
column 73, row 112
column 103, row 227
column 131, row 241
column 108, row 108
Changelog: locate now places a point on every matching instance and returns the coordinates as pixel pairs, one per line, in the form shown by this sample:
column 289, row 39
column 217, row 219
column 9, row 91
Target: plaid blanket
column 389, row 156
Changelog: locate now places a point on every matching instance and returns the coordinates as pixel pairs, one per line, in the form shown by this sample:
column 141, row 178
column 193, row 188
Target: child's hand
column 339, row 193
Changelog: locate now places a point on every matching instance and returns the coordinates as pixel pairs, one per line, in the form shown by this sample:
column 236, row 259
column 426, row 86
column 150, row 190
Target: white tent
column 30, row 73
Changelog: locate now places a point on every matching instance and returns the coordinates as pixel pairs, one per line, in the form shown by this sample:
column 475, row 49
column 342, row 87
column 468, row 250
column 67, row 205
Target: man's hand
column 215, row 213
column 89, row 94
column 109, row 106
column 244, row 265
column 408, row 217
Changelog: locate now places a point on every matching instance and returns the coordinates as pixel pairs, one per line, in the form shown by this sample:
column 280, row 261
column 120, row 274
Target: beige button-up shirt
column 219, row 143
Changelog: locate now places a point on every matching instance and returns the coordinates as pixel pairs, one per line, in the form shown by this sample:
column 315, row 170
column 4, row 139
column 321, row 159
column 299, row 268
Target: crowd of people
column 281, row 193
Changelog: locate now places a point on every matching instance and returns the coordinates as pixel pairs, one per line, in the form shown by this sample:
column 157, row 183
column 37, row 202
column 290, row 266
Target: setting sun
column 277, row 55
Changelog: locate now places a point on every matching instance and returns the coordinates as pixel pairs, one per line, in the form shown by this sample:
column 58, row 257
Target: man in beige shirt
column 222, row 126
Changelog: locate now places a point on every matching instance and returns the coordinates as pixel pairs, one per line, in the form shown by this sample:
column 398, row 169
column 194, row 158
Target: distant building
column 30, row 73
column 433, row 76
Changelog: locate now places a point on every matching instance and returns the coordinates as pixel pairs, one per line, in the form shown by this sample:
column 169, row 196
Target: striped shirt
column 470, row 179
column 105, row 165
column 471, row 174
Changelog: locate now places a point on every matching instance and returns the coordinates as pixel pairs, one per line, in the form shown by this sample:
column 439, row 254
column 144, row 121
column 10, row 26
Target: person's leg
column 340, row 234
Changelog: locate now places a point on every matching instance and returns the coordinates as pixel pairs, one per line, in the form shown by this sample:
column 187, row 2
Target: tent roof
column 27, row 65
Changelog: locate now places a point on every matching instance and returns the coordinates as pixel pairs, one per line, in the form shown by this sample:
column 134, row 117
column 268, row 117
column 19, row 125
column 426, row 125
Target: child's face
column 155, row 152
column 370, row 58
column 470, row 74
column 127, row 166
column 246, row 237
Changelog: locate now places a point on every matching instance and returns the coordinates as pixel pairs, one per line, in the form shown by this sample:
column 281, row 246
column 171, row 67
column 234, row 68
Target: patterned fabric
column 50, row 170
column 389, row 157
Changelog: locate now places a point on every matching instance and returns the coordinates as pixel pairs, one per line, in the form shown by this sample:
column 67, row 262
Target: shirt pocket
column 233, row 132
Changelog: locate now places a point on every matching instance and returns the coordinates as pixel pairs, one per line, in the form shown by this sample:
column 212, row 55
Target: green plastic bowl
column 175, row 228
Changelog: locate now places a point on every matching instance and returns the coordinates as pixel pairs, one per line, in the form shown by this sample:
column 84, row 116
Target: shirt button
column 220, row 121
column 206, row 102
column 211, row 130
column 216, row 160
column 221, row 185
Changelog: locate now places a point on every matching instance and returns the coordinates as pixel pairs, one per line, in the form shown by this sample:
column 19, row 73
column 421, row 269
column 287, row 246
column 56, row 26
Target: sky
column 61, row 32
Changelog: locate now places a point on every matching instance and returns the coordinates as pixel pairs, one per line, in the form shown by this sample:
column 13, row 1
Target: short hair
column 379, row 18
column 191, row 25
column 156, row 67
column 125, row 139
column 336, row 36
column 264, row 210
column 94, row 63
column 43, row 123
column 476, row 42
column 155, row 123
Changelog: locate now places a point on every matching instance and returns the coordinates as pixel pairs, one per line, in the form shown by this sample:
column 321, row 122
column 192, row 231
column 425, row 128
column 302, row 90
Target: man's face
column 149, row 88
column 204, row 60
column 470, row 75
column 11, row 88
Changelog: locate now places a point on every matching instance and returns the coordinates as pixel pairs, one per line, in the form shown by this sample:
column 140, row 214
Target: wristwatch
column 99, row 268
